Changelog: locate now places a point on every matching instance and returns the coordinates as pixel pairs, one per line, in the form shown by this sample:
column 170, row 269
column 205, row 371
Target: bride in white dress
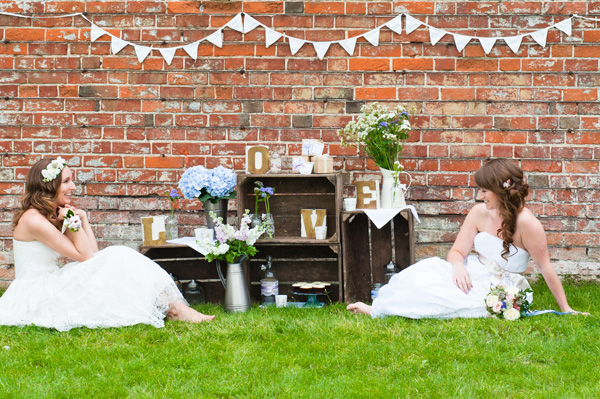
column 114, row 287
column 501, row 230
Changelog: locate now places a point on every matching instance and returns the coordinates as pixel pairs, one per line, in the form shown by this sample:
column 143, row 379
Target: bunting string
column 245, row 23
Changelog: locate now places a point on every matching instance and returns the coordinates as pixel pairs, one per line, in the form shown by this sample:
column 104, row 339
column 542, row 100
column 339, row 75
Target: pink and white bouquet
column 508, row 303
column 232, row 245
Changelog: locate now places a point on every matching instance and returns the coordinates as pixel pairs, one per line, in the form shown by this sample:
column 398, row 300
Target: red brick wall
column 129, row 129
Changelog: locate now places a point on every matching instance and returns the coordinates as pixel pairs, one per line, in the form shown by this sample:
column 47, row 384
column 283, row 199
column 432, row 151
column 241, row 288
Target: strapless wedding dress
column 426, row 289
column 117, row 287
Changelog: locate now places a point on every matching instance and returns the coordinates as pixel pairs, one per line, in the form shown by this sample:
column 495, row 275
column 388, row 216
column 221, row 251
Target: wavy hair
column 39, row 194
column 505, row 179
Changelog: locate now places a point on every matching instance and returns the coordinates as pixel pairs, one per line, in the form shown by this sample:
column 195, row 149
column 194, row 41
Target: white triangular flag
column 564, row 26
column 540, row 36
column 96, row 32
column 349, row 44
column 321, row 48
column 141, row 52
column 435, row 34
column 192, row 49
column 168, row 54
column 117, row 44
column 250, row 23
column 395, row 24
column 461, row 41
column 514, row 42
column 271, row 36
column 372, row 37
column 487, row 43
column 236, row 23
column 295, row 44
column 412, row 24
column 216, row 38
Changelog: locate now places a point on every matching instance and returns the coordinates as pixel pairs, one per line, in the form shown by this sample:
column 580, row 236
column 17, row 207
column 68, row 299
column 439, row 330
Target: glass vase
column 171, row 227
column 269, row 224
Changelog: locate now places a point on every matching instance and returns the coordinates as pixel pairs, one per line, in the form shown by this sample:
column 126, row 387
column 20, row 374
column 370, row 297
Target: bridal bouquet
column 232, row 245
column 208, row 184
column 508, row 303
column 380, row 133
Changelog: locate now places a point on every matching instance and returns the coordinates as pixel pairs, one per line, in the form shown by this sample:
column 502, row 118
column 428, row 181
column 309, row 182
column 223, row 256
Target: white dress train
column 426, row 289
column 117, row 287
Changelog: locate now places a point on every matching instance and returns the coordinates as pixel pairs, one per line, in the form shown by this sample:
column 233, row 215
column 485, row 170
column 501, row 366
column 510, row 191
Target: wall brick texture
column 129, row 130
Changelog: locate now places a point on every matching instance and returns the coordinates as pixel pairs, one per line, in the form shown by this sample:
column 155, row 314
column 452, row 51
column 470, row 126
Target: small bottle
column 176, row 281
column 375, row 291
column 269, row 285
column 194, row 294
column 390, row 270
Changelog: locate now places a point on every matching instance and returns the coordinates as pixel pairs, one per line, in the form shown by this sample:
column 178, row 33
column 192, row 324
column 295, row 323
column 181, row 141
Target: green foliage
column 314, row 353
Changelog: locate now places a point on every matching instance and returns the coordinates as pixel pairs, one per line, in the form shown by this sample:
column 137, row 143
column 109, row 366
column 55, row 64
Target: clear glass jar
column 171, row 227
column 269, row 224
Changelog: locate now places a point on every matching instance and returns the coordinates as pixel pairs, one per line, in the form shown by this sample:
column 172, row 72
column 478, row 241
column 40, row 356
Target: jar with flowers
column 381, row 133
column 213, row 187
column 171, row 225
column 263, row 194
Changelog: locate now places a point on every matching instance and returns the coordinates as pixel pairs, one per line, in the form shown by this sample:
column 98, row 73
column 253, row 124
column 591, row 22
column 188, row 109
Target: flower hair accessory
column 53, row 169
column 72, row 222
column 506, row 184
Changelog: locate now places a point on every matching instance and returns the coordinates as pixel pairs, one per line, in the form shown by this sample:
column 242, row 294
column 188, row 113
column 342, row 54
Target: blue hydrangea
column 221, row 182
column 197, row 181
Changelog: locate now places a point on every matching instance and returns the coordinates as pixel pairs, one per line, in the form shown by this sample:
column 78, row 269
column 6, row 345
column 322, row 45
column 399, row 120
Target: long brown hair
column 505, row 179
column 39, row 194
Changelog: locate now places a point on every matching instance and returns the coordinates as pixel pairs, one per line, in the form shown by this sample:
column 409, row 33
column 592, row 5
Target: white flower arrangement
column 53, row 169
column 380, row 133
column 508, row 303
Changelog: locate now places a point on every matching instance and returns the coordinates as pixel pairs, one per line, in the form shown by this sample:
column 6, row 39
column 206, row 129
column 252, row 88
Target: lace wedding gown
column 117, row 287
column 426, row 289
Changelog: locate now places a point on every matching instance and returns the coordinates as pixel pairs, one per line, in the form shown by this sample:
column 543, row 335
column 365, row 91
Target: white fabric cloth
column 117, row 287
column 426, row 289
column 380, row 217
column 189, row 241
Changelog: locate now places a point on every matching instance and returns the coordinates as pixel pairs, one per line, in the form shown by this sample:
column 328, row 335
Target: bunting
column 245, row 23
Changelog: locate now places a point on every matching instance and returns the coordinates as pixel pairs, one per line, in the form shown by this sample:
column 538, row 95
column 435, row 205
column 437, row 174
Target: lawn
column 315, row 353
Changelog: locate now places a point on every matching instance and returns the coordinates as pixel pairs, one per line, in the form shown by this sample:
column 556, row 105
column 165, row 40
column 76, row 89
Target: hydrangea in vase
column 381, row 133
column 213, row 187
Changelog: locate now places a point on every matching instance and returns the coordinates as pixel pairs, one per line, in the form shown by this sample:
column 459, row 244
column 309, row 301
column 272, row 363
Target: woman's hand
column 461, row 278
column 81, row 213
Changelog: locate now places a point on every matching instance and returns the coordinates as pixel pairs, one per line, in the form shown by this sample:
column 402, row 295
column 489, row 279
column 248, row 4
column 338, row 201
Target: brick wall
column 130, row 129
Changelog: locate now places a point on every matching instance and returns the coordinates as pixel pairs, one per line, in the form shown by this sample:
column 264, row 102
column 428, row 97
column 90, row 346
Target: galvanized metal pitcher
column 237, row 298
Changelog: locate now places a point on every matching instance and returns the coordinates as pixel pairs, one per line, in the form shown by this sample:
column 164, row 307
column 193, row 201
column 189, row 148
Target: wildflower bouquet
column 508, row 303
column 232, row 245
column 208, row 184
column 380, row 133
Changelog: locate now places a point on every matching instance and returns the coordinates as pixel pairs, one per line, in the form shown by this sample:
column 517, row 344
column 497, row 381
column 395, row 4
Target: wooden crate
column 187, row 264
column 296, row 258
column 367, row 250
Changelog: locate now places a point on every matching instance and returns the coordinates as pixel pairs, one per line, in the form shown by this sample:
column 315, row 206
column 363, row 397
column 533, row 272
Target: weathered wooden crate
column 294, row 192
column 296, row 258
column 367, row 250
column 187, row 264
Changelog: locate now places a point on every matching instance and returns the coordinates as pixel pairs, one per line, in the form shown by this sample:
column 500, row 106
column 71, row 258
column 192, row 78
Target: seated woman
column 110, row 288
column 501, row 230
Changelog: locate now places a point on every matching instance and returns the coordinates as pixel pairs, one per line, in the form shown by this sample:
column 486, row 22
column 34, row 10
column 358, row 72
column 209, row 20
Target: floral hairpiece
column 53, row 169
column 506, row 184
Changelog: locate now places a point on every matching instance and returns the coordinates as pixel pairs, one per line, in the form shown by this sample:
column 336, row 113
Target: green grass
column 314, row 353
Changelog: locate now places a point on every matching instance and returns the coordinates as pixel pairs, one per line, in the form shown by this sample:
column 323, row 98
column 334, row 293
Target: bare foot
column 359, row 307
column 182, row 312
